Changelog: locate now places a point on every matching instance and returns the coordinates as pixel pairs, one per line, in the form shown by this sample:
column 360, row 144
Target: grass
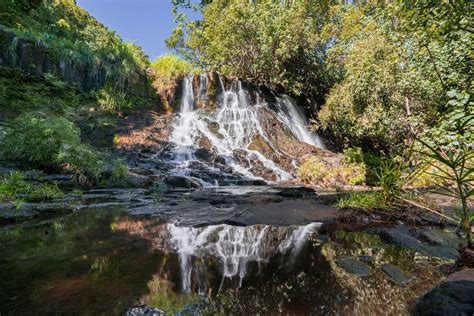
column 364, row 200
column 15, row 188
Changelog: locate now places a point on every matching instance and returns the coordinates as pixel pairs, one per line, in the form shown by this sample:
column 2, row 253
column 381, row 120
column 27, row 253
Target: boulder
column 203, row 154
column 454, row 296
column 138, row 181
column 182, row 182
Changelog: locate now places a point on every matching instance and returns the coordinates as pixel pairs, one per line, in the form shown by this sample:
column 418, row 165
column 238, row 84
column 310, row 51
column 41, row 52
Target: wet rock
column 182, row 182
column 366, row 258
column 138, row 181
column 286, row 212
column 34, row 174
column 454, row 296
column 144, row 311
column 422, row 240
column 257, row 182
column 220, row 160
column 142, row 171
column 353, row 266
column 59, row 177
column 203, row 154
column 394, row 273
column 466, row 257
column 297, row 192
column 6, row 170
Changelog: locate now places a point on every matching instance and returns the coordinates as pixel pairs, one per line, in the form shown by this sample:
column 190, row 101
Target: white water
column 236, row 123
column 234, row 247
column 294, row 119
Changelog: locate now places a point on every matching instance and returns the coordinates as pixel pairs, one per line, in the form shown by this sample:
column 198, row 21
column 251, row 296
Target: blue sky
column 147, row 23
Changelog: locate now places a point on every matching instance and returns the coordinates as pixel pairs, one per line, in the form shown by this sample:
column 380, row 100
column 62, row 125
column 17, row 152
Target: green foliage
column 34, row 139
column 119, row 171
column 353, row 155
column 74, row 38
column 171, row 67
column 448, row 149
column 460, row 178
column 319, row 171
column 14, row 188
column 83, row 161
column 384, row 97
column 264, row 41
column 389, row 178
column 364, row 200
column 20, row 92
column 10, row 9
column 47, row 142
column 166, row 70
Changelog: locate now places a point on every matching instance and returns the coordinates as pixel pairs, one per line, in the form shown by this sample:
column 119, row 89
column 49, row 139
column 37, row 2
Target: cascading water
column 230, row 128
column 234, row 247
column 293, row 118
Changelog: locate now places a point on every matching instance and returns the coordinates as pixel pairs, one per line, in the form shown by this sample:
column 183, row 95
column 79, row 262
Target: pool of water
column 104, row 261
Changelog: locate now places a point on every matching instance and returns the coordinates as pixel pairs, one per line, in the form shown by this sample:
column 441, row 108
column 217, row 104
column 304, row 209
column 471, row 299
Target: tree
column 267, row 42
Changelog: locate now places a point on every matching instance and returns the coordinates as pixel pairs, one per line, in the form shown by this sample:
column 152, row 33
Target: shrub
column 119, row 170
column 166, row 70
column 329, row 172
column 34, row 139
column 389, row 176
column 83, row 161
column 48, row 142
column 113, row 101
column 171, row 67
column 353, row 155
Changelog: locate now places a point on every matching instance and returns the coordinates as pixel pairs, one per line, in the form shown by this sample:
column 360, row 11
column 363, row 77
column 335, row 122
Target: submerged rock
column 144, row 311
column 395, row 274
column 433, row 243
column 454, row 296
column 353, row 266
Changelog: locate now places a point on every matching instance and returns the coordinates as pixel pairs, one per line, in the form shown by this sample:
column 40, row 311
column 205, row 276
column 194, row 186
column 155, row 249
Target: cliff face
column 61, row 38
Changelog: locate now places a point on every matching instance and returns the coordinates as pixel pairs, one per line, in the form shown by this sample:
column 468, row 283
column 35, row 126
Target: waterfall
column 294, row 119
column 230, row 128
column 183, row 129
column 234, row 247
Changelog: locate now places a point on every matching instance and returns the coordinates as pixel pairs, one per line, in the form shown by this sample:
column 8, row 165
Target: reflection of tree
column 163, row 295
column 75, row 263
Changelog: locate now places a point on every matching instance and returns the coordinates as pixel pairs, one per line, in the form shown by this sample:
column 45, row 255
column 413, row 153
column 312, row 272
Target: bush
column 119, row 171
column 36, row 140
column 166, row 70
column 171, row 67
column 389, row 177
column 327, row 172
column 353, row 155
column 81, row 160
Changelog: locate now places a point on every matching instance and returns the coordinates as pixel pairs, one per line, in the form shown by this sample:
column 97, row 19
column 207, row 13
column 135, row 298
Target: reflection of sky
column 147, row 23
